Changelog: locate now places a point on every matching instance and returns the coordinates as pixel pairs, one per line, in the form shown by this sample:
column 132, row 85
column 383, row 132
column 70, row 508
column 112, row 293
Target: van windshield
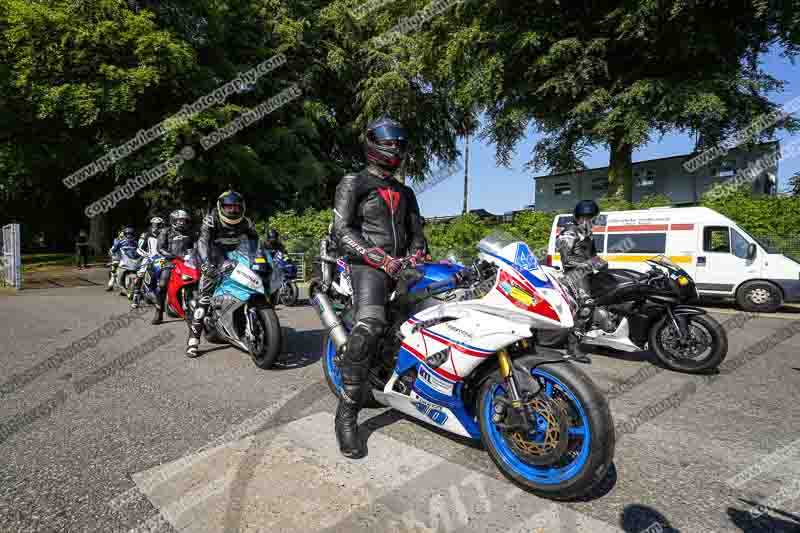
column 764, row 242
column 772, row 245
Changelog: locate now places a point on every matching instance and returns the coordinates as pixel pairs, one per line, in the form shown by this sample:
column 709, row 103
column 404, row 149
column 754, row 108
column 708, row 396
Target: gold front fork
column 505, row 363
column 505, row 371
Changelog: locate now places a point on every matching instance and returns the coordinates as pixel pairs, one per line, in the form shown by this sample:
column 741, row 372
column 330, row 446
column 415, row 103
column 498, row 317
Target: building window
column 637, row 243
column 562, row 189
column 600, row 184
column 716, row 239
column 508, row 217
column 644, row 177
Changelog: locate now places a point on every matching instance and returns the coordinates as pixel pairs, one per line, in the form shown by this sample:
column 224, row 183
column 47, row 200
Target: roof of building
column 568, row 172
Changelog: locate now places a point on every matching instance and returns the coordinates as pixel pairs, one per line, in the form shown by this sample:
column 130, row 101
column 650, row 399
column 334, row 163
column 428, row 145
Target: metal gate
column 299, row 260
column 11, row 262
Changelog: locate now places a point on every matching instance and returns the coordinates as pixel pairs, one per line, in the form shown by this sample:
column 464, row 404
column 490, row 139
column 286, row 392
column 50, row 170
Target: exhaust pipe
column 330, row 320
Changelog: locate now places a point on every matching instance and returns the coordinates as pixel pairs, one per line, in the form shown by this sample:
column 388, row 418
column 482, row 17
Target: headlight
column 683, row 281
column 186, row 278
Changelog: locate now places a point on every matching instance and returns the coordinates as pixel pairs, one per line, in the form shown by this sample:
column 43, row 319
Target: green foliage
column 457, row 237
column 299, row 232
column 759, row 215
column 616, row 202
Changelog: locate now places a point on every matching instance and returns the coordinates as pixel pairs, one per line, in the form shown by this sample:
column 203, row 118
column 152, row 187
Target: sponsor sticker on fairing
column 436, row 383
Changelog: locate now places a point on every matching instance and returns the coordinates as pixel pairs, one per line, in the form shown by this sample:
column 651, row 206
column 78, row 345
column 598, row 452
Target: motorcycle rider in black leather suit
column 148, row 248
column 222, row 231
column 579, row 260
column 377, row 225
column 173, row 242
column 273, row 243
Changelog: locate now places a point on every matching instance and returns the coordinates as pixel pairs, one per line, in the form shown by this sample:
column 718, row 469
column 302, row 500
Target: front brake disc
column 548, row 442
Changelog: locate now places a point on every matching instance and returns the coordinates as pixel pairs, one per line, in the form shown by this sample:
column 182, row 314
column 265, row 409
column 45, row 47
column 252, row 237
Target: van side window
column 716, row 239
column 740, row 244
column 599, row 242
column 633, row 243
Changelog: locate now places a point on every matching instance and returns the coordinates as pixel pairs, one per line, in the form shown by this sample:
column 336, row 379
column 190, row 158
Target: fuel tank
column 615, row 285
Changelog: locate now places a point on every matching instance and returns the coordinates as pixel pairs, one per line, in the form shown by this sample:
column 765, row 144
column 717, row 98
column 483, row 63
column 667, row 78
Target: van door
column 722, row 263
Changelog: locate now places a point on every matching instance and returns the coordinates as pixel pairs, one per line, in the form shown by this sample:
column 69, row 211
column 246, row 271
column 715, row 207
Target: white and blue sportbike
column 461, row 354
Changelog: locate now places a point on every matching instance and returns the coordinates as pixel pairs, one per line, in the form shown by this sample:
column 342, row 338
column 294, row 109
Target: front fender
column 688, row 310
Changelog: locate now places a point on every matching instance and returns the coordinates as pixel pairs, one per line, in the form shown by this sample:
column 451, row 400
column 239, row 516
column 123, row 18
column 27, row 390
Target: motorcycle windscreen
column 516, row 254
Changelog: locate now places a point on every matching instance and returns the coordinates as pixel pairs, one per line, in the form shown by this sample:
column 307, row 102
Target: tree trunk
column 620, row 170
column 466, row 174
column 98, row 234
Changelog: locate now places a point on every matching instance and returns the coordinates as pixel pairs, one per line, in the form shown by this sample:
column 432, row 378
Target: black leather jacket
column 576, row 246
column 172, row 243
column 374, row 212
column 216, row 238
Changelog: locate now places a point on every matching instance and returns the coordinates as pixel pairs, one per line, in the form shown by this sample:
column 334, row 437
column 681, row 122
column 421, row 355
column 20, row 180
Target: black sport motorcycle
column 635, row 311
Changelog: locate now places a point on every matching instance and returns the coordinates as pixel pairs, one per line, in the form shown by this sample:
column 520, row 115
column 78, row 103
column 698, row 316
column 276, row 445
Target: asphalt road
column 121, row 432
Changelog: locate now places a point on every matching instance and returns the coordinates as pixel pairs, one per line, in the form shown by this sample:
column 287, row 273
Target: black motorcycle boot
column 574, row 350
column 158, row 315
column 137, row 292
column 346, row 424
column 196, row 330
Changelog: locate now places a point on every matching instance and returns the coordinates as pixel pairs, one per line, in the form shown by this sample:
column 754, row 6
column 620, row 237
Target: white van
column 724, row 260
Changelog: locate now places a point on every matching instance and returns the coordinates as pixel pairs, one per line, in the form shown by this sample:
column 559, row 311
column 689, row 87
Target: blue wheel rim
column 579, row 436
column 333, row 370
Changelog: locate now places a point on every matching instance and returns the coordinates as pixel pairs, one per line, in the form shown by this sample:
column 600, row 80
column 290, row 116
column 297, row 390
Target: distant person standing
column 82, row 249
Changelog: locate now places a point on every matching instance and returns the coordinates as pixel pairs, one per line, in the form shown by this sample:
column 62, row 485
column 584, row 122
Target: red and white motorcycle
column 461, row 354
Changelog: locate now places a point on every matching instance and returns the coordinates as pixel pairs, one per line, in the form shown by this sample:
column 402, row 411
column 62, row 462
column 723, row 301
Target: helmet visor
column 232, row 210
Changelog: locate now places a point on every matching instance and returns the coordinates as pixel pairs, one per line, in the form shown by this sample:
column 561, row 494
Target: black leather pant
column 163, row 281
column 578, row 278
column 371, row 290
column 206, row 286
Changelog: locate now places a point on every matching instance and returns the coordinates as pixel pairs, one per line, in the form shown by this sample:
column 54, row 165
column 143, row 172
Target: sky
column 498, row 189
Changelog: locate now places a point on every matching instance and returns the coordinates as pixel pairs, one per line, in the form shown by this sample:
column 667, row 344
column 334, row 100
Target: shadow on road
column 756, row 519
column 300, row 349
column 644, row 519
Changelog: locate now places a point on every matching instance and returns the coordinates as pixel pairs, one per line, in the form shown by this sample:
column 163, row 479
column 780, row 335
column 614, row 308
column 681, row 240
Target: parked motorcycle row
column 471, row 351
column 242, row 312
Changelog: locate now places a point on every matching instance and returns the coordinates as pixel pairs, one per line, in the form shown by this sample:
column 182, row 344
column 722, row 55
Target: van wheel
column 759, row 296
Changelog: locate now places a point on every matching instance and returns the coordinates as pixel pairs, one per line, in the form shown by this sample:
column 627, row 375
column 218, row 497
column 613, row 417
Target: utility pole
column 466, row 174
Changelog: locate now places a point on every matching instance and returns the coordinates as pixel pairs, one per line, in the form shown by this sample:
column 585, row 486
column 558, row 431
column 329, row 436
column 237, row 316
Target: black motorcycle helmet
column 230, row 207
column 180, row 220
column 387, row 144
column 272, row 238
column 586, row 208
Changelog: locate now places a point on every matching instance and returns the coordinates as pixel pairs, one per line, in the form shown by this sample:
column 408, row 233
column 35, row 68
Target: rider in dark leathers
column 175, row 241
column 223, row 230
column 579, row 260
column 273, row 243
column 378, row 226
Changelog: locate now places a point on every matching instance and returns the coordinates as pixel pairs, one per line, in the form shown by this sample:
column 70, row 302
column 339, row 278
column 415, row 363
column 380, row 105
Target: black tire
column 601, row 427
column 715, row 357
column 552, row 338
column 289, row 294
column 274, row 339
column 369, row 401
column 313, row 287
column 759, row 297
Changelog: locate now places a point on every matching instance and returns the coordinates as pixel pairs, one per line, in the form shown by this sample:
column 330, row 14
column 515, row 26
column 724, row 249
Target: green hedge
column 768, row 215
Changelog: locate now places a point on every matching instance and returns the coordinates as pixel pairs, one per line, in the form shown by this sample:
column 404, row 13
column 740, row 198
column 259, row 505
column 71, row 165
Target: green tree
column 609, row 75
